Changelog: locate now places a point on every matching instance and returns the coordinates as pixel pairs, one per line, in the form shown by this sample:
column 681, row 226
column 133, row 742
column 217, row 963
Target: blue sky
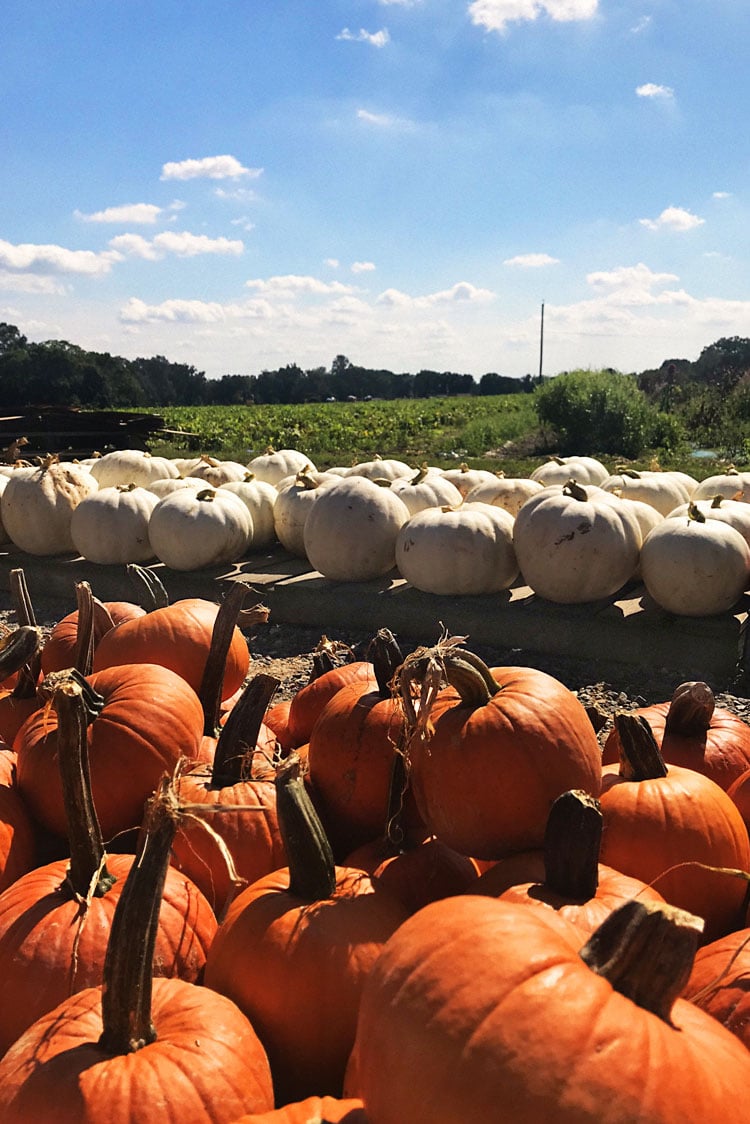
column 242, row 184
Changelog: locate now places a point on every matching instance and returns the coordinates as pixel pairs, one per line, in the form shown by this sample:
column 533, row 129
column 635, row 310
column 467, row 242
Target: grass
column 500, row 433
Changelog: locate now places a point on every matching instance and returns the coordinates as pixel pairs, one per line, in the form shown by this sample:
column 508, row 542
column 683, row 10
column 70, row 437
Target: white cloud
column 146, row 213
column 209, row 167
column 237, row 195
column 374, row 38
column 629, row 280
column 384, row 120
column 722, row 195
column 495, row 15
column 181, row 243
column 332, row 263
column 674, row 218
column 531, row 261
column 27, row 257
column 29, row 283
column 641, row 25
column 136, row 311
column 244, row 223
column 654, row 90
column 292, row 285
column 462, row 291
column 362, row 266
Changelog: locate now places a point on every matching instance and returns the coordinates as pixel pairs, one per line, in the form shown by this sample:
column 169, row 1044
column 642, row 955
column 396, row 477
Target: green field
column 439, row 430
column 499, row 433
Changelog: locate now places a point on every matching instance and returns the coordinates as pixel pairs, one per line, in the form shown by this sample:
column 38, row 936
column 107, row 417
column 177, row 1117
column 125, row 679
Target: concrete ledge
column 628, row 629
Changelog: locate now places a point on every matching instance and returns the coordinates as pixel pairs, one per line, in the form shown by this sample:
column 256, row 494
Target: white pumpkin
column 508, row 492
column 730, row 484
column 350, row 532
column 381, row 468
column 216, row 472
column 259, row 498
column 465, row 478
column 662, row 490
column 458, row 551
column 734, row 512
column 426, row 489
column 165, row 487
column 573, row 545
column 4, row 536
column 190, row 530
column 38, row 503
column 293, row 503
column 558, row 470
column 276, row 464
column 695, row 567
column 111, row 525
column 130, row 466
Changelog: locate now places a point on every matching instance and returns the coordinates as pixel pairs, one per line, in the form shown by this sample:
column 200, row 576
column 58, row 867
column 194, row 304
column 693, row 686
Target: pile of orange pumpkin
column 419, row 890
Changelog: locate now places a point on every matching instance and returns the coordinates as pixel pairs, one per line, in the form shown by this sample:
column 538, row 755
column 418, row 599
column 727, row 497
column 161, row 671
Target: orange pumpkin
column 177, row 637
column 148, row 718
column 691, row 731
column 566, row 875
column 137, row 1048
column 295, row 948
column 490, row 755
column 665, row 825
column 481, row 1010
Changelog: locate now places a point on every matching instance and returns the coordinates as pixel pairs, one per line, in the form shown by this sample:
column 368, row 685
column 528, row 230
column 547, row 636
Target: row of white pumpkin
column 566, row 552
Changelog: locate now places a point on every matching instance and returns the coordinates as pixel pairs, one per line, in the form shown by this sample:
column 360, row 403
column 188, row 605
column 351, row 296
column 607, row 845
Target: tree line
column 58, row 373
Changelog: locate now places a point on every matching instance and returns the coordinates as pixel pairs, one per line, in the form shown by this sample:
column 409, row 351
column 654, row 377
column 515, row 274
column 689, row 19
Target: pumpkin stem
column 83, row 658
column 239, row 736
column 640, row 756
column 28, row 673
column 17, row 648
column 386, row 658
column 572, row 840
column 312, row 872
column 327, row 655
column 87, row 872
column 128, row 965
column 575, row 491
column 21, row 598
column 691, row 710
column 221, row 638
column 149, row 588
column 646, row 951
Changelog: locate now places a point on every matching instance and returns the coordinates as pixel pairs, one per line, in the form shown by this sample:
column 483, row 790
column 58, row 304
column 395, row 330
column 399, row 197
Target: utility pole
column 541, row 344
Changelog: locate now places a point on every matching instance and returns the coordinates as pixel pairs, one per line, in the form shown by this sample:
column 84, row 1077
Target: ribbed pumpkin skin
column 178, row 637
column 485, row 781
column 308, row 702
column 722, row 753
column 297, row 968
column 718, row 982
column 653, row 825
column 482, row 1011
column 17, row 836
column 151, row 718
column 313, row 1110
column 252, row 837
column 614, row 890
column 59, row 648
column 206, row 1066
column 47, row 950
column 352, row 746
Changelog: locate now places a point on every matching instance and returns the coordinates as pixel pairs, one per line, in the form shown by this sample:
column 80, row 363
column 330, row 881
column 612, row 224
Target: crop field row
column 438, row 430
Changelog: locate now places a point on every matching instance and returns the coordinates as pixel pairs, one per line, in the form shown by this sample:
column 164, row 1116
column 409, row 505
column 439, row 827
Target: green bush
column 603, row 412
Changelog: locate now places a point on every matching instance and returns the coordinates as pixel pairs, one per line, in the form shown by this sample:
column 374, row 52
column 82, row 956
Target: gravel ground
column 286, row 652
